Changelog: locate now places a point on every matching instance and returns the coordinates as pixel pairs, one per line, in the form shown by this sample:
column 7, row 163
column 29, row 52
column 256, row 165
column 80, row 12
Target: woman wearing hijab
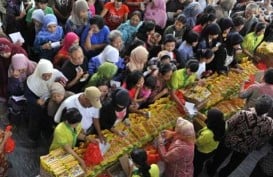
column 106, row 71
column 138, row 59
column 109, row 54
column 78, row 19
column 57, row 95
column 115, row 111
column 191, row 11
column 37, row 92
column 20, row 68
column 7, row 50
column 70, row 39
column 178, row 157
column 156, row 11
column 208, row 139
column 51, row 33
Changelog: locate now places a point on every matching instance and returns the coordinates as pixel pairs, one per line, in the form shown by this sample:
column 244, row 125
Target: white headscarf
column 36, row 84
column 109, row 54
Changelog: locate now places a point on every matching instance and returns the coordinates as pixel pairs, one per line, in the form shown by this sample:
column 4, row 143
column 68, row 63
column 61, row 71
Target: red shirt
column 115, row 17
column 197, row 28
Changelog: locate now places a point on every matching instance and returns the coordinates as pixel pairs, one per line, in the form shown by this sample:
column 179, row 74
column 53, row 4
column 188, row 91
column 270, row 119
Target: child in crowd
column 205, row 58
column 143, row 93
column 133, row 81
column 130, row 27
column 104, row 87
column 178, row 29
column 47, row 41
column 169, row 44
column 186, row 49
column 162, row 58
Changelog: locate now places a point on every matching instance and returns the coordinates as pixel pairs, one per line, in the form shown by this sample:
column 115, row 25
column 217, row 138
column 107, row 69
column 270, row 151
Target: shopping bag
column 10, row 143
column 93, row 154
column 181, row 98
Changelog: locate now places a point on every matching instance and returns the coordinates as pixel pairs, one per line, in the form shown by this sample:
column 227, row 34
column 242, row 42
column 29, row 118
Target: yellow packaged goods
column 197, row 94
column 76, row 171
column 265, row 48
column 59, row 163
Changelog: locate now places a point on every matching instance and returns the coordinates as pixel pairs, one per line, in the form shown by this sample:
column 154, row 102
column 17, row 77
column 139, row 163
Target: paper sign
column 17, row 36
column 191, row 108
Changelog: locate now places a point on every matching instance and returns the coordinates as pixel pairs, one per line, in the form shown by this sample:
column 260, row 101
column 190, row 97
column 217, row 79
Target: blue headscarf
column 44, row 35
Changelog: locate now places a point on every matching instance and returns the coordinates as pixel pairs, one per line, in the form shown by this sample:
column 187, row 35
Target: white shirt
column 88, row 114
column 201, row 69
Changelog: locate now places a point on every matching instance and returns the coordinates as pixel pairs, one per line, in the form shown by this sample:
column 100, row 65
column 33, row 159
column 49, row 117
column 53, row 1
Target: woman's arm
column 69, row 149
column 104, row 12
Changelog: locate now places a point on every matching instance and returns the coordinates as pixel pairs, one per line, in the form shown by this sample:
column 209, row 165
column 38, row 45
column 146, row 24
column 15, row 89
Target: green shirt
column 251, row 41
column 180, row 79
column 205, row 142
column 64, row 134
column 48, row 10
column 154, row 171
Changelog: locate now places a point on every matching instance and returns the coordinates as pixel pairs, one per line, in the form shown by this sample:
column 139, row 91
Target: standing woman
column 178, row 157
column 115, row 13
column 37, row 92
column 20, row 68
column 78, row 19
column 7, row 50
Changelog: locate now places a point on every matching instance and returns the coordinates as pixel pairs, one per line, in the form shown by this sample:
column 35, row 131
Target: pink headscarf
column 20, row 61
column 138, row 58
column 69, row 39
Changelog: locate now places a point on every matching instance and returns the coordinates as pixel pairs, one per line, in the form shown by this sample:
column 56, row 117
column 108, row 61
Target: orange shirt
column 115, row 17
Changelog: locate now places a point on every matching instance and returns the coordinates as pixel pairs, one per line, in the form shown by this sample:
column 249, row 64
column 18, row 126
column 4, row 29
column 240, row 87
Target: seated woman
column 94, row 36
column 57, row 95
column 155, row 10
column 130, row 27
column 78, row 19
column 178, row 157
column 115, row 111
column 109, row 54
column 182, row 79
column 50, row 34
column 115, row 13
column 20, row 68
column 106, row 71
column 37, row 92
column 70, row 39
column 140, row 166
column 68, row 132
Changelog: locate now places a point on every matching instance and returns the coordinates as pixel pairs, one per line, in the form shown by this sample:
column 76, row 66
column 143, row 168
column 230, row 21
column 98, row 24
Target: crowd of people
column 84, row 65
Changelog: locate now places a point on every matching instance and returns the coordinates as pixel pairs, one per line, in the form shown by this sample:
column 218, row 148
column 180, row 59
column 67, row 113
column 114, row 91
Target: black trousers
column 221, row 153
column 234, row 162
column 199, row 159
